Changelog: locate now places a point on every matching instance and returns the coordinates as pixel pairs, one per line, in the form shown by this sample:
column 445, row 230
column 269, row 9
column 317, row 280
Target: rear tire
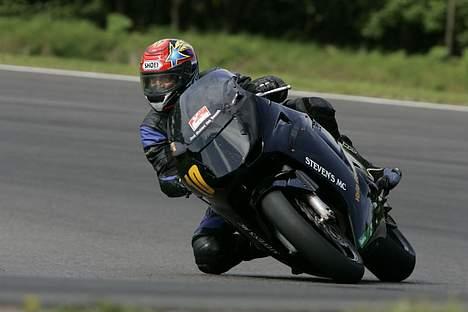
column 322, row 257
column 390, row 259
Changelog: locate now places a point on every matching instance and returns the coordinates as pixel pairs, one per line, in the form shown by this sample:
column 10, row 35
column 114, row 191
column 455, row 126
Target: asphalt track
column 82, row 218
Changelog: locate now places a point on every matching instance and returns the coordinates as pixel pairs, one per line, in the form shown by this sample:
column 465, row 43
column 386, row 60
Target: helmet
column 167, row 68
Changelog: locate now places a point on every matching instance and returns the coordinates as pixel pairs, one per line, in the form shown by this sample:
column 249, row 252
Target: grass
column 353, row 87
column 417, row 306
column 32, row 304
column 73, row 44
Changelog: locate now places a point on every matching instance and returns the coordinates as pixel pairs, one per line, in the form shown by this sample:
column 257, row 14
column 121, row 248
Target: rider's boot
column 384, row 178
column 217, row 247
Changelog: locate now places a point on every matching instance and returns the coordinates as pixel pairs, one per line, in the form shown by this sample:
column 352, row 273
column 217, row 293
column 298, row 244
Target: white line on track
column 363, row 99
column 71, row 73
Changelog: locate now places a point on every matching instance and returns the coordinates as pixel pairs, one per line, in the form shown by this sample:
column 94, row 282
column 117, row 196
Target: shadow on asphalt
column 310, row 279
column 319, row 280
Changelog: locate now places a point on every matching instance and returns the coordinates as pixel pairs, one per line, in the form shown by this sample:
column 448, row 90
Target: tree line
column 389, row 25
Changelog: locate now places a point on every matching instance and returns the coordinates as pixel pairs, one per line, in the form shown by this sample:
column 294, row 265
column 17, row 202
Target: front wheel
column 323, row 258
column 390, row 259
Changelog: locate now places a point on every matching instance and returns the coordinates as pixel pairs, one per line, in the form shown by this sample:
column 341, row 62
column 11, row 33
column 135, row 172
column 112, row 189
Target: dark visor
column 158, row 84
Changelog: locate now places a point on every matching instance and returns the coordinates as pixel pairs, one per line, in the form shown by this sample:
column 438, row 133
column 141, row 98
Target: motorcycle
column 285, row 183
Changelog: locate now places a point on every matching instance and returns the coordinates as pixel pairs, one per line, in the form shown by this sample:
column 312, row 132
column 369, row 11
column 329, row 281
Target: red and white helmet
column 167, row 68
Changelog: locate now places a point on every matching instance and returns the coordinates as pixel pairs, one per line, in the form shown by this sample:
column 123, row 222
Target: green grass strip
column 32, row 304
column 75, row 44
column 364, row 88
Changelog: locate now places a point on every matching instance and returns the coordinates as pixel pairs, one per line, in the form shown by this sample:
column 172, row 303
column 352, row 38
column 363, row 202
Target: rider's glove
column 267, row 83
column 173, row 187
column 389, row 179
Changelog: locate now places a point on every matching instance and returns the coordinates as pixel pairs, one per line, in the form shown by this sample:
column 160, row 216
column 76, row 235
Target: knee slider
column 212, row 254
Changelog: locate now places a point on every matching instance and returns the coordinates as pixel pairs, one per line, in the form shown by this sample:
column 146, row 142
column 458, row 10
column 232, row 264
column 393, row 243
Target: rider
column 167, row 68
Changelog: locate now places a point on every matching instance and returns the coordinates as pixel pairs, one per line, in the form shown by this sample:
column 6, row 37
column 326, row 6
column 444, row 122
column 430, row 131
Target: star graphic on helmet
column 175, row 55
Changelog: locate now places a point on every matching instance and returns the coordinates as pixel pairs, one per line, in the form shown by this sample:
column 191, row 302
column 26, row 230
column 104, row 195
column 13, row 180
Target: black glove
column 390, row 178
column 173, row 187
column 385, row 178
column 267, row 83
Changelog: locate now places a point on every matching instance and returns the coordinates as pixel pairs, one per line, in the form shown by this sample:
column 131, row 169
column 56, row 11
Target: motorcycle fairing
column 314, row 150
column 280, row 130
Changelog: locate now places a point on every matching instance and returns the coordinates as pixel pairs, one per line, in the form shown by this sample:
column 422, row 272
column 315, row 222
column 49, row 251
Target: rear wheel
column 391, row 259
column 322, row 257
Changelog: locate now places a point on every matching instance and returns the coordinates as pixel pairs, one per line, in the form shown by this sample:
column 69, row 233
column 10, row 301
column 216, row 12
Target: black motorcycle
column 285, row 183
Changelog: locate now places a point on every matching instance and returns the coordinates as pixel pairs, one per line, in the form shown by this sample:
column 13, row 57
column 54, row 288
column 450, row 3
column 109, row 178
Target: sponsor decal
column 258, row 238
column 349, row 147
column 151, row 65
column 199, row 117
column 195, row 180
column 325, row 173
column 341, row 184
column 205, row 125
column 316, row 125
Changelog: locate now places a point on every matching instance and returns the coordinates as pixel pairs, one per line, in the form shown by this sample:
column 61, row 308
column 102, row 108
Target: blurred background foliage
column 412, row 26
column 395, row 48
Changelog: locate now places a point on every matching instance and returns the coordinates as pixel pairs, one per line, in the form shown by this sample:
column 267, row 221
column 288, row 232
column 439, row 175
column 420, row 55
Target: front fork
column 380, row 219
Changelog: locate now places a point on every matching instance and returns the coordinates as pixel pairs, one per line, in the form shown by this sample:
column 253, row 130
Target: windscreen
column 228, row 150
column 208, row 106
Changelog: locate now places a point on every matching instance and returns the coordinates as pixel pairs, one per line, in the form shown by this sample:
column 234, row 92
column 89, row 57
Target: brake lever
column 287, row 87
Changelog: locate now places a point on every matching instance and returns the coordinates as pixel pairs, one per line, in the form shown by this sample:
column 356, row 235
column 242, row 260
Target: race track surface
column 82, row 218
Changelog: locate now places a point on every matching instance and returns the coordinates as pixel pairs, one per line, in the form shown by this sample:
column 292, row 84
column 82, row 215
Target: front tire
column 390, row 259
column 322, row 258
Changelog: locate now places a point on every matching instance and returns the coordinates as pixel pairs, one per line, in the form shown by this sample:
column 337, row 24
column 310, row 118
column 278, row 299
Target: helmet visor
column 160, row 84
